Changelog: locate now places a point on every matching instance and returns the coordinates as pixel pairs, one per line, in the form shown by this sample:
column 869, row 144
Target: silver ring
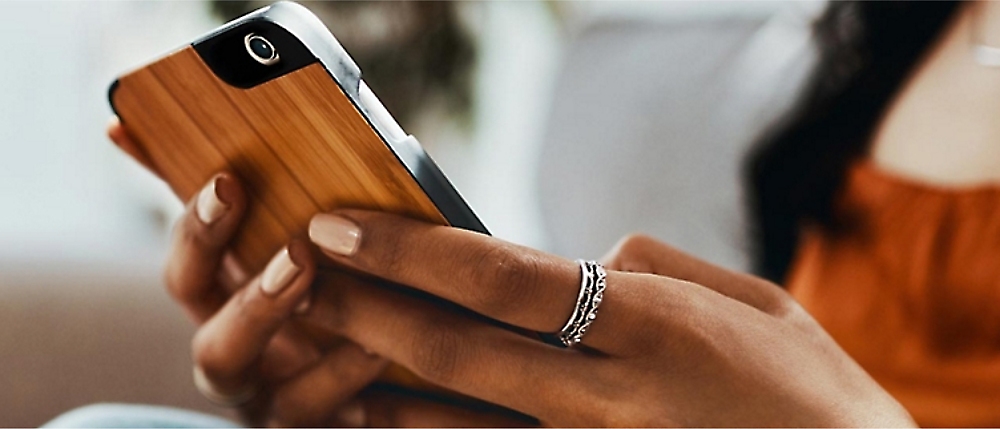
column 217, row 397
column 593, row 281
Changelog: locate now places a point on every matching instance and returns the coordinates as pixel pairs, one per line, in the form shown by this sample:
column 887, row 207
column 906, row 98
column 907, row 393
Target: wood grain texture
column 297, row 142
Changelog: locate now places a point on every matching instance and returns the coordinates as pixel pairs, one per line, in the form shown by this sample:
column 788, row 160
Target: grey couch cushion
column 650, row 123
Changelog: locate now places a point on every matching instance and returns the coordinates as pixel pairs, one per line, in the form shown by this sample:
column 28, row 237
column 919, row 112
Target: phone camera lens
column 260, row 49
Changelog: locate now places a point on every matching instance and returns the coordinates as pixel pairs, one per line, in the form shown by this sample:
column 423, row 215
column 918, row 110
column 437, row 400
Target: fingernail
column 334, row 233
column 352, row 414
column 303, row 306
column 209, row 207
column 279, row 273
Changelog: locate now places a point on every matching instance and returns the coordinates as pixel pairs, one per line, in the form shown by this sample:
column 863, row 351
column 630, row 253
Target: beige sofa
column 75, row 335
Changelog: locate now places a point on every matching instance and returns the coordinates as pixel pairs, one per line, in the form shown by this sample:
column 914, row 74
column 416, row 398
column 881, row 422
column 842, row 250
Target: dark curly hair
column 866, row 51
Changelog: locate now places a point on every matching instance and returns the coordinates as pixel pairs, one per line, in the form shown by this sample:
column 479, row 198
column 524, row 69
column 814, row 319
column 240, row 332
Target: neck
column 942, row 126
column 985, row 23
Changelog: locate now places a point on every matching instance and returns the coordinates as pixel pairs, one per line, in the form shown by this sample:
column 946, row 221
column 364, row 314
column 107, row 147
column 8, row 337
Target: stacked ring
column 593, row 281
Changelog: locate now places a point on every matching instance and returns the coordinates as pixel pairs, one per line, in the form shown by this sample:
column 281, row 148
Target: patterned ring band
column 593, row 281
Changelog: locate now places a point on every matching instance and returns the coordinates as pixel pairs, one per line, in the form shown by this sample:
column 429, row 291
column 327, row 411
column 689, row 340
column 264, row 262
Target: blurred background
column 565, row 126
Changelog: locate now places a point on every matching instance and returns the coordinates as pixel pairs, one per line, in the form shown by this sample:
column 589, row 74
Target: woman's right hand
column 249, row 352
column 246, row 353
column 696, row 345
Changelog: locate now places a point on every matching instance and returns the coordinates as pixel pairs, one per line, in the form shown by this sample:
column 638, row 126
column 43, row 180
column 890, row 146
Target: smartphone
column 274, row 98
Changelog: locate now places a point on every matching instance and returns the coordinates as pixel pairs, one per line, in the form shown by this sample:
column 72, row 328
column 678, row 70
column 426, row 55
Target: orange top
column 912, row 292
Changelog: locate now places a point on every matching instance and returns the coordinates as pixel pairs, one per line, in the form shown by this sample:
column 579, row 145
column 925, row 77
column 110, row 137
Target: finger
column 642, row 254
column 387, row 407
column 199, row 241
column 288, row 353
column 121, row 138
column 228, row 346
column 233, row 276
column 454, row 350
column 514, row 284
column 312, row 397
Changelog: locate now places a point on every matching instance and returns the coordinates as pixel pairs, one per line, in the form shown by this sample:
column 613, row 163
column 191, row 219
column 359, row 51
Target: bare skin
column 250, row 339
column 941, row 128
column 682, row 344
column 679, row 342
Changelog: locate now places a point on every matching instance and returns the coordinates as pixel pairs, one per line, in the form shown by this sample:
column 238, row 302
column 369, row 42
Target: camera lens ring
column 260, row 49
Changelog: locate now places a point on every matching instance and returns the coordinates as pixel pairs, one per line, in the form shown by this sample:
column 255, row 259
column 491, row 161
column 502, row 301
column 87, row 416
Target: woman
column 676, row 341
column 877, row 202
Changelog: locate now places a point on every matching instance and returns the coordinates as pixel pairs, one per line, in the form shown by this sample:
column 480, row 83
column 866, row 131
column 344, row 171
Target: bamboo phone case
column 303, row 132
column 275, row 99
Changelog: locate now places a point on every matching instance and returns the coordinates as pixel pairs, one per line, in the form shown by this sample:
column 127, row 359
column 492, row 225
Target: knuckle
column 208, row 356
column 635, row 243
column 513, row 275
column 789, row 310
column 188, row 234
column 251, row 309
column 436, row 351
column 784, row 308
column 173, row 281
column 391, row 253
column 176, row 274
column 778, row 303
column 632, row 252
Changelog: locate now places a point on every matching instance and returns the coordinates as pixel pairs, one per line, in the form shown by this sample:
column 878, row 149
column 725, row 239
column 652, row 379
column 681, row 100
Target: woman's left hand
column 695, row 345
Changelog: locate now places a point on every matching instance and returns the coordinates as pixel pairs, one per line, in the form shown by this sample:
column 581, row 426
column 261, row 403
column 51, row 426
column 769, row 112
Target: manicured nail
column 335, row 234
column 279, row 273
column 352, row 415
column 209, row 207
column 303, row 306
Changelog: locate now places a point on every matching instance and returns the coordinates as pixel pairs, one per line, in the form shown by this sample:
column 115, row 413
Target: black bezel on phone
column 302, row 39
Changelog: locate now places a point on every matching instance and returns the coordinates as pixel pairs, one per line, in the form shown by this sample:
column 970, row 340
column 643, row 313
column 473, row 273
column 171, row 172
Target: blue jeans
column 136, row 416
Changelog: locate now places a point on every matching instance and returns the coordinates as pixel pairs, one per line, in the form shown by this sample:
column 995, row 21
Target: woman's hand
column 691, row 345
column 246, row 351
column 254, row 347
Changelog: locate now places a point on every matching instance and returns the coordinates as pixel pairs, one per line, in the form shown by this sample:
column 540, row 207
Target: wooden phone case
column 297, row 141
